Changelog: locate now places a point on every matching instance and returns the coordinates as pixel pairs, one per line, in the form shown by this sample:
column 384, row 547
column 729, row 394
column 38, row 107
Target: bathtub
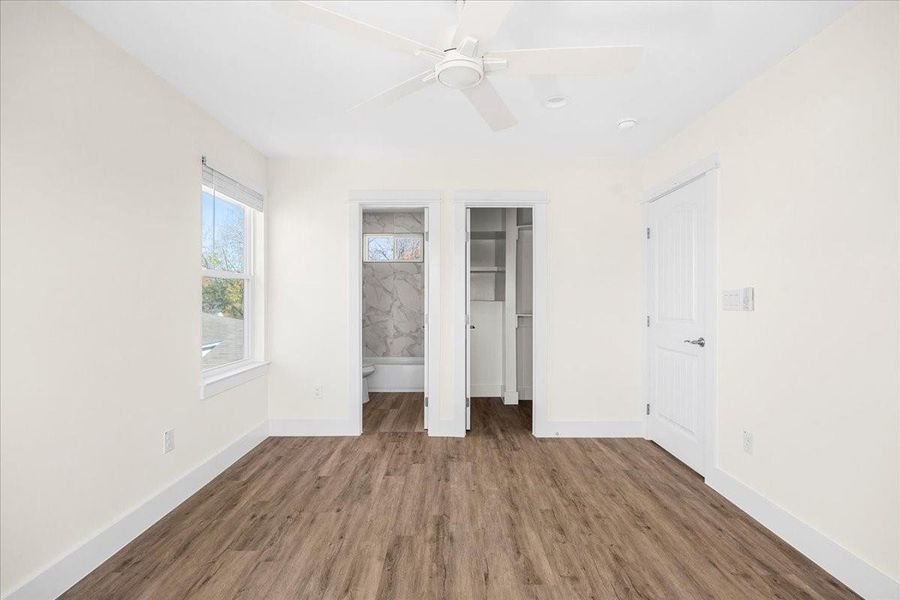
column 396, row 373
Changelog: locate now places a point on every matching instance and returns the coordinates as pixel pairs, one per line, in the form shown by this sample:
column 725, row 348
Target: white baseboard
column 419, row 389
column 526, row 393
column 854, row 572
column 72, row 567
column 590, row 429
column 486, row 390
column 510, row 398
column 311, row 428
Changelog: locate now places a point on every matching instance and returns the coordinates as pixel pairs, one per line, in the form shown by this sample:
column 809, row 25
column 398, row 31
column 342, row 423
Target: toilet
column 366, row 371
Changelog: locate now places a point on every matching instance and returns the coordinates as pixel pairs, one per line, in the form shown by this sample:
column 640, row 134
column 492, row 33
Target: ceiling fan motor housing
column 459, row 71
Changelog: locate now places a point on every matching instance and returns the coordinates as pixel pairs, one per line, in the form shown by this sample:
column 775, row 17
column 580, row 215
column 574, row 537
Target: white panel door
column 426, row 256
column 486, row 335
column 468, row 319
column 679, row 273
column 524, row 358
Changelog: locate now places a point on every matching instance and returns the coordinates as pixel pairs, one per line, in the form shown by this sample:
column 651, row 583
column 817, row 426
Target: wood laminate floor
column 499, row 514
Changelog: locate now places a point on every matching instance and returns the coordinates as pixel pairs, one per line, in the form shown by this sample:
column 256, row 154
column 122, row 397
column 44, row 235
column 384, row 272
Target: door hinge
column 426, row 236
column 468, row 402
column 648, row 233
column 648, row 320
column 648, row 408
column 426, row 401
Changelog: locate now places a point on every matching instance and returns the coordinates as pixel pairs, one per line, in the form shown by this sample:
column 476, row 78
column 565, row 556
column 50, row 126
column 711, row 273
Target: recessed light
column 556, row 101
column 627, row 124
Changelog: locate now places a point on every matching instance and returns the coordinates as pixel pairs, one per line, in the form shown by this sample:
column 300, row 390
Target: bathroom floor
column 497, row 514
column 394, row 412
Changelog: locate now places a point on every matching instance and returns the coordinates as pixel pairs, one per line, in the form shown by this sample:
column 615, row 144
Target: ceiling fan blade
column 490, row 105
column 597, row 60
column 413, row 84
column 304, row 11
column 481, row 19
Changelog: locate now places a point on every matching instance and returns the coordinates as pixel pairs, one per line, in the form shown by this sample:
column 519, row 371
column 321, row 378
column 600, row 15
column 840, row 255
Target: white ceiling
column 284, row 86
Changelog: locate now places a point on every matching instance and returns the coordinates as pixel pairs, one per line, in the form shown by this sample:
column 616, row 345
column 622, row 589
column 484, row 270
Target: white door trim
column 537, row 201
column 681, row 179
column 510, row 390
column 708, row 169
column 400, row 200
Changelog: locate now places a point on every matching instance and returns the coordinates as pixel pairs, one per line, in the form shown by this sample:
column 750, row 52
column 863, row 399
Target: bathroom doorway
column 394, row 273
column 393, row 319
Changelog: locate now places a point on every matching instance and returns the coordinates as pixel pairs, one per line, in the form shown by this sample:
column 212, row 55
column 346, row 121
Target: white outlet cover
column 748, row 442
column 168, row 441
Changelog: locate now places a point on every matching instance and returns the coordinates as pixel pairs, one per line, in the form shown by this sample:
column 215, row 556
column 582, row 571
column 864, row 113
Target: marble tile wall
column 393, row 294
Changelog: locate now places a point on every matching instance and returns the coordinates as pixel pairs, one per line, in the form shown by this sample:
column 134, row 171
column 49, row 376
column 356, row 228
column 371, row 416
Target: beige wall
column 595, row 265
column 808, row 214
column 100, row 224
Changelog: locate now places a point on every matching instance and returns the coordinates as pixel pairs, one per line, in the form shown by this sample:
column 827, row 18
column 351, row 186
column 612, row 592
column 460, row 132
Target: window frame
column 247, row 275
column 393, row 236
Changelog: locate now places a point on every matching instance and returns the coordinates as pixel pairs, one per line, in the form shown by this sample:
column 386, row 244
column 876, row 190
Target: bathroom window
column 228, row 210
column 393, row 247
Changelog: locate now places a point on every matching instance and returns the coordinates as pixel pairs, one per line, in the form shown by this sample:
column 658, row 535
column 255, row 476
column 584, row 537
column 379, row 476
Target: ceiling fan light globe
column 460, row 72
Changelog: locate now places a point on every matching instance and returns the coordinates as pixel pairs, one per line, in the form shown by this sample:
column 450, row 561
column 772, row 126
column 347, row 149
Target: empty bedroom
column 449, row 299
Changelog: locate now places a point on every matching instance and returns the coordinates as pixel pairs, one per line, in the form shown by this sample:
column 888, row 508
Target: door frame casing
column 538, row 203
column 399, row 200
column 708, row 170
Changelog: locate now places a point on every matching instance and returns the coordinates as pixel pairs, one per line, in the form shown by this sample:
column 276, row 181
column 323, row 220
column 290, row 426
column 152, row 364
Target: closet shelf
column 487, row 269
column 480, row 236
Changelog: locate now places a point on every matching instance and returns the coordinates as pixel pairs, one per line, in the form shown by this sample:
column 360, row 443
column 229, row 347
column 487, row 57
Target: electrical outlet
column 748, row 442
column 168, row 441
column 317, row 392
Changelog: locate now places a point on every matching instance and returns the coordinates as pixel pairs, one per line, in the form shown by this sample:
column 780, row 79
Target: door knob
column 698, row 342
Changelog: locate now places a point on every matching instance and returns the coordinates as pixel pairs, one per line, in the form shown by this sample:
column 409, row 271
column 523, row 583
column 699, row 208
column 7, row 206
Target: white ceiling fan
column 464, row 64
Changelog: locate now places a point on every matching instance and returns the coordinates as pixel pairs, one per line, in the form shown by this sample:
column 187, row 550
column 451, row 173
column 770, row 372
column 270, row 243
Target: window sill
column 216, row 381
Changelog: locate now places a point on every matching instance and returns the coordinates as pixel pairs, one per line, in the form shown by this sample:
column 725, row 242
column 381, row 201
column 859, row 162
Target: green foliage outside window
column 223, row 250
column 223, row 296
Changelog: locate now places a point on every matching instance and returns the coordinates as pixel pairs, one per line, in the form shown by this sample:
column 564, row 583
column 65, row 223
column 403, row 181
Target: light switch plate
column 740, row 299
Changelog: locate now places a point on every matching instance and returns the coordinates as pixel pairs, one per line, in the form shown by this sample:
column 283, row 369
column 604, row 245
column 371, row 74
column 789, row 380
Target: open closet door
column 469, row 326
column 426, row 257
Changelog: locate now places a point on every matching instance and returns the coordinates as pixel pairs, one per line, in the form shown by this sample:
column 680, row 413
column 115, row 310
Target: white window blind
column 234, row 190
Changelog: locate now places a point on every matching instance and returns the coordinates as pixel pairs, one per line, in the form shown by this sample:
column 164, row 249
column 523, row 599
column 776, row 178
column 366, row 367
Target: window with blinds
column 228, row 209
